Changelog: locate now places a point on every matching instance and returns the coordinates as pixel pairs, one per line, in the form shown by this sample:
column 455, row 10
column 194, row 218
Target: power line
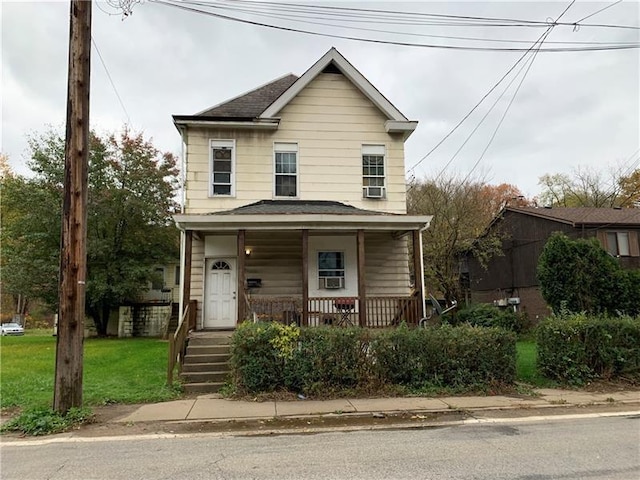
column 305, row 19
column 95, row 45
column 595, row 13
column 495, row 132
column 475, row 107
column 350, row 12
column 172, row 3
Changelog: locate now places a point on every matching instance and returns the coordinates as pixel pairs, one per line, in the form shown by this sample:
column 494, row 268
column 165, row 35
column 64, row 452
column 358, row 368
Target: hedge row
column 577, row 348
column 316, row 361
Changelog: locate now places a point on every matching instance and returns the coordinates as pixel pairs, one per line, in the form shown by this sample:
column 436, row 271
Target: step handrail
column 178, row 342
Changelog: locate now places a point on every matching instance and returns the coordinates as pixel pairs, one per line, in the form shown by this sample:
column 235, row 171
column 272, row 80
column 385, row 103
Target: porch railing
column 380, row 312
column 178, row 340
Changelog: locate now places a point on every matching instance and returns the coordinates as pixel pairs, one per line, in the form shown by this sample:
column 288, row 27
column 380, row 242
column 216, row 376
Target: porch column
column 305, row 277
column 241, row 276
column 418, row 271
column 362, row 288
column 186, row 273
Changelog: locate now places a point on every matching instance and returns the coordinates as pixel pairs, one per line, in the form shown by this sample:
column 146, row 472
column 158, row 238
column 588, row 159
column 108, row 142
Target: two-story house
column 294, row 205
column 510, row 280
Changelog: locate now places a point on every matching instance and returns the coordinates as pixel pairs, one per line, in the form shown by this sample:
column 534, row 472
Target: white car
column 11, row 329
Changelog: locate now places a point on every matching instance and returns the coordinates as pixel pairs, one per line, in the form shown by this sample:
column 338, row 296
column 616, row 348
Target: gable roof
column 251, row 104
column 260, row 107
column 584, row 215
column 335, row 59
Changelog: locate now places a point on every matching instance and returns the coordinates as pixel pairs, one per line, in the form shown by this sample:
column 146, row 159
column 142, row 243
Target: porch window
column 618, row 244
column 373, row 175
column 286, row 169
column 331, row 270
column 222, row 167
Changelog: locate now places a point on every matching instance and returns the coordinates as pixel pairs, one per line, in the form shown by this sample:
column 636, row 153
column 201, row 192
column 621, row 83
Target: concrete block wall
column 143, row 320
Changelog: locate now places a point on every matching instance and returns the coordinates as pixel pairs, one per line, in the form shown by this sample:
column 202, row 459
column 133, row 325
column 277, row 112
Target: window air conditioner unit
column 374, row 192
column 332, row 283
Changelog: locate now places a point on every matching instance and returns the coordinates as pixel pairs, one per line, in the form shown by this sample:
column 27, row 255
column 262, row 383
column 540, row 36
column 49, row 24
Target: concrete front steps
column 206, row 363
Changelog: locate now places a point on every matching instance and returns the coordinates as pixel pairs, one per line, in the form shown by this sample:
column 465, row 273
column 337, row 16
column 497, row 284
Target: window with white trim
column 286, row 169
column 222, row 167
column 618, row 244
column 331, row 270
column 373, row 171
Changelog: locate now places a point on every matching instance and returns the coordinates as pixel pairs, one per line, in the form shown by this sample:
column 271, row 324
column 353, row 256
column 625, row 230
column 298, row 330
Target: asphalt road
column 588, row 448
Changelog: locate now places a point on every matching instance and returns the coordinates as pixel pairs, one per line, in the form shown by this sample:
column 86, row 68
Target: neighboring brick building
column 511, row 280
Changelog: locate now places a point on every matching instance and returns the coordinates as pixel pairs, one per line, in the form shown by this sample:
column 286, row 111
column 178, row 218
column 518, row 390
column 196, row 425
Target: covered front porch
column 325, row 264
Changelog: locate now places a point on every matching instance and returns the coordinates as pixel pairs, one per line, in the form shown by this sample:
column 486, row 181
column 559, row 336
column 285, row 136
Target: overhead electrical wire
column 104, row 65
column 184, row 6
column 535, row 47
column 368, row 13
column 304, row 19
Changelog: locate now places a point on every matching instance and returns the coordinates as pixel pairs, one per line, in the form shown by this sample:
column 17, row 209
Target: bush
column 317, row 361
column 577, row 348
column 485, row 315
column 580, row 276
column 463, row 356
column 330, row 359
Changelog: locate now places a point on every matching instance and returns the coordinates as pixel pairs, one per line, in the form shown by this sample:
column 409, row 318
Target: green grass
column 526, row 368
column 115, row 370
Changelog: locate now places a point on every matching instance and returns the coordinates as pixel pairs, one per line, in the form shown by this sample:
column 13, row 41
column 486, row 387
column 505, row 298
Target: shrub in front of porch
column 462, row 357
column 268, row 356
column 327, row 361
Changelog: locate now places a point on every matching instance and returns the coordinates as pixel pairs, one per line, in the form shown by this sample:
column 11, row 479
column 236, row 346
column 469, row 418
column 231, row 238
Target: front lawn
column 526, row 368
column 127, row 370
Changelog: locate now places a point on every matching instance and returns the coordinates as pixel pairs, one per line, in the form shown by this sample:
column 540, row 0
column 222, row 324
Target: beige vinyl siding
column 386, row 265
column 197, row 277
column 276, row 258
column 330, row 120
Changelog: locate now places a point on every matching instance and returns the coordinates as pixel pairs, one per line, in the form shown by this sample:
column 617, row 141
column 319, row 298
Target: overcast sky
column 573, row 109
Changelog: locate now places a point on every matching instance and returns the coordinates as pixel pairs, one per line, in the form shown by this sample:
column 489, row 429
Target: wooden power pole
column 73, row 251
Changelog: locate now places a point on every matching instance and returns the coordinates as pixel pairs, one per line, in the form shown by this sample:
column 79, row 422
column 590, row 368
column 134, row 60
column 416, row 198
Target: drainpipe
column 183, row 168
column 424, row 302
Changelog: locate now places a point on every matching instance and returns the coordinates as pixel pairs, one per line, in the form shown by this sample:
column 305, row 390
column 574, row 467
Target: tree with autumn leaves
column 462, row 210
column 129, row 227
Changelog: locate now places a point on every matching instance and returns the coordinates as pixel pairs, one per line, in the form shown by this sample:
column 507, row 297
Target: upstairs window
column 286, row 169
column 373, row 171
column 222, row 167
column 618, row 244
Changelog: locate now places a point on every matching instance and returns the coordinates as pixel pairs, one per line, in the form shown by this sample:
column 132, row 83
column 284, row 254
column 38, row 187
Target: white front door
column 220, row 293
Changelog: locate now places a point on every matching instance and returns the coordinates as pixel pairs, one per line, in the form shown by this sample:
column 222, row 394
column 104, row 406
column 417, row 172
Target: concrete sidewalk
column 213, row 408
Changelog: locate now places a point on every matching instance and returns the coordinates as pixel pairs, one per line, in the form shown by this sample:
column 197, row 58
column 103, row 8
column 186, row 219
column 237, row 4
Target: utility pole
column 73, row 251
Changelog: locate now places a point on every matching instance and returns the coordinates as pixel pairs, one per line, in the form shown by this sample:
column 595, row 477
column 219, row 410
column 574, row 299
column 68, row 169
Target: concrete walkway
column 214, row 408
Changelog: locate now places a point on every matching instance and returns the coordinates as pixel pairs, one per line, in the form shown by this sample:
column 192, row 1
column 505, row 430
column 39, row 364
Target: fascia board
column 394, row 126
column 264, row 124
column 350, row 72
column 296, row 222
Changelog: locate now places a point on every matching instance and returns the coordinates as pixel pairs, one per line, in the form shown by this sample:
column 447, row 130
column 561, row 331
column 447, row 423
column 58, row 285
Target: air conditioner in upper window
column 332, row 283
column 374, row 192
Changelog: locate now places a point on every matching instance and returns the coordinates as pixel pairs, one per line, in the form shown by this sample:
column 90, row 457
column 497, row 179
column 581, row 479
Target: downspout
column 183, row 180
column 183, row 168
column 424, row 302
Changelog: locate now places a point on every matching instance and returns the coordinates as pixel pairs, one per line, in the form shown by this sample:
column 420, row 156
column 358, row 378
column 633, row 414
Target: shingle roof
column 253, row 103
column 585, row 215
column 298, row 207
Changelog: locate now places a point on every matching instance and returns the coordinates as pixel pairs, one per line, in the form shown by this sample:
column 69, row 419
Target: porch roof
column 299, row 215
